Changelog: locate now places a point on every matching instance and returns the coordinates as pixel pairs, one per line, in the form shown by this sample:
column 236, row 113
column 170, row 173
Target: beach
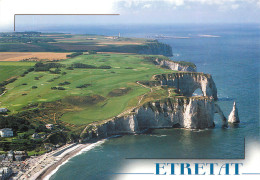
column 44, row 166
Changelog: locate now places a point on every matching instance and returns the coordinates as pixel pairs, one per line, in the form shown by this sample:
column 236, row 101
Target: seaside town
column 20, row 164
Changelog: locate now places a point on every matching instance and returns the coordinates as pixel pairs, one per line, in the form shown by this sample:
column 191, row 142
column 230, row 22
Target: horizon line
column 60, row 15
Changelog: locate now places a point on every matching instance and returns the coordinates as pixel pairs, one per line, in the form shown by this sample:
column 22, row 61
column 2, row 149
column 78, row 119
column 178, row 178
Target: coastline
column 48, row 164
column 45, row 175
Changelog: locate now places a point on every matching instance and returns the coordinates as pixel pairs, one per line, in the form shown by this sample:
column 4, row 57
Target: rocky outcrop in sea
column 233, row 116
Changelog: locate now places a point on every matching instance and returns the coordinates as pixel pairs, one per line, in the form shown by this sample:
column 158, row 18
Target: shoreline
column 48, row 170
column 44, row 166
column 51, row 170
column 71, row 152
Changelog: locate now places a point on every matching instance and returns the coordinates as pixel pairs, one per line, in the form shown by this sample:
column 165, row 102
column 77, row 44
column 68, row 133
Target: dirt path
column 2, row 93
column 139, row 101
column 144, row 86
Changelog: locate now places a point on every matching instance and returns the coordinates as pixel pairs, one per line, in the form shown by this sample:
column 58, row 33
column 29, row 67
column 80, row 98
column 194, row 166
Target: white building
column 3, row 110
column 5, row 172
column 36, row 136
column 49, row 126
column 6, row 132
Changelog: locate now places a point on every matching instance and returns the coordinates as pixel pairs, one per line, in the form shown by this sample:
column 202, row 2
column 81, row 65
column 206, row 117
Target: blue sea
column 231, row 54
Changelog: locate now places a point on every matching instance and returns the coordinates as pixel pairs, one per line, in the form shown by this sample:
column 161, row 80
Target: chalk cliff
column 155, row 48
column 181, row 111
column 175, row 65
column 233, row 116
column 190, row 113
column 187, row 83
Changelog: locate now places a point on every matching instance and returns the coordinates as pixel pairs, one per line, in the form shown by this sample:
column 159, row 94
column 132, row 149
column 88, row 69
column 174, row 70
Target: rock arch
column 187, row 83
column 221, row 114
column 197, row 92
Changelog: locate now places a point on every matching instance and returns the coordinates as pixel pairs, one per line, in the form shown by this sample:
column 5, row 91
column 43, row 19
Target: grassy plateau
column 71, row 81
column 124, row 72
column 12, row 69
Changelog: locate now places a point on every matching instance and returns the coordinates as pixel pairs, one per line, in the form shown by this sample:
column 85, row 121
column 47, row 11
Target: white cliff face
column 184, row 113
column 174, row 65
column 189, row 113
column 199, row 114
column 127, row 124
column 233, row 116
column 181, row 112
column 187, row 83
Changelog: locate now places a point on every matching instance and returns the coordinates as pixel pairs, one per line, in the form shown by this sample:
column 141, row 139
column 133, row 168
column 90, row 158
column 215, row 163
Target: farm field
column 96, row 39
column 18, row 56
column 88, row 95
column 58, row 42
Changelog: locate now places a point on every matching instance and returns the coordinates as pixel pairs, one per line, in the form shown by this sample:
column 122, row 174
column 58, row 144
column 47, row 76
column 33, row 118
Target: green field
column 12, row 69
column 51, row 42
column 98, row 83
column 126, row 70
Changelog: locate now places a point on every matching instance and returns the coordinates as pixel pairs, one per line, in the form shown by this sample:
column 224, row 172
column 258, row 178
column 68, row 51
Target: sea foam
column 88, row 148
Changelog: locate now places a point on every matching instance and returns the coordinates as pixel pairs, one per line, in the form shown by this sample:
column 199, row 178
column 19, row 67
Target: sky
column 131, row 12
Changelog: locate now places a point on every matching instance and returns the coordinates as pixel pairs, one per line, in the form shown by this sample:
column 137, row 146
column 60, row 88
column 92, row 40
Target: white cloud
column 147, row 5
column 214, row 1
column 258, row 3
column 10, row 7
column 176, row 2
column 234, row 6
